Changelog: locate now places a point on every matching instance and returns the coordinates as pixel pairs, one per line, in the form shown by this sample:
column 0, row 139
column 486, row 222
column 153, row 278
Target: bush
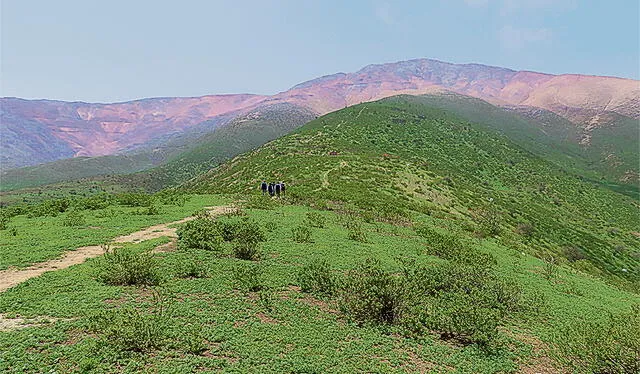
column 356, row 232
column 573, row 253
column 134, row 199
column 316, row 277
column 371, row 295
column 151, row 210
column 95, row 202
column 246, row 250
column 125, row 267
column 130, row 329
column 240, row 229
column 48, row 208
column 190, row 268
column 4, row 222
column 526, row 230
column 74, row 219
column 301, row 234
column 200, row 233
column 461, row 302
column 316, row 219
column 248, row 276
column 609, row 346
column 488, row 220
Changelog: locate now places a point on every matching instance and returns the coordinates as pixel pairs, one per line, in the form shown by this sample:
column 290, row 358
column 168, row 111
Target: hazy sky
column 114, row 50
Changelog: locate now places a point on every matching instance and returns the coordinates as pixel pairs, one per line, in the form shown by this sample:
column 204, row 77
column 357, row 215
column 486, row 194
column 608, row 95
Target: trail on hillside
column 10, row 278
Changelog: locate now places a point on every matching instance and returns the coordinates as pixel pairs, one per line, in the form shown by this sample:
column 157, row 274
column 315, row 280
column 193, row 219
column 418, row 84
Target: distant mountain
column 38, row 131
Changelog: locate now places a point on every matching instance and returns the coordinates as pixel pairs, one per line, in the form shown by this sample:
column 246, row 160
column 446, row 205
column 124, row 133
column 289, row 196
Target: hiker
column 282, row 188
column 278, row 189
column 263, row 187
column 271, row 189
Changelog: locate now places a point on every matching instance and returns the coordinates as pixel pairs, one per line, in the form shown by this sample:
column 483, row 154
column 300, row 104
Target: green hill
column 404, row 156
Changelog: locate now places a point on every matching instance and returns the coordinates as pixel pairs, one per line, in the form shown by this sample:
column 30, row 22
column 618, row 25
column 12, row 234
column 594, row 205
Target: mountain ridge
column 97, row 129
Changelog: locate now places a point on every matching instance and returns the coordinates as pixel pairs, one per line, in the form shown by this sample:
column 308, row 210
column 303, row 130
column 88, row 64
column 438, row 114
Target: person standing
column 278, row 189
column 282, row 188
column 270, row 188
column 263, row 187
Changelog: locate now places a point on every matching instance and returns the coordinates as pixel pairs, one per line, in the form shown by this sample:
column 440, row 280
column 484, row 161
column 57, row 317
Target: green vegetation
column 402, row 156
column 410, row 241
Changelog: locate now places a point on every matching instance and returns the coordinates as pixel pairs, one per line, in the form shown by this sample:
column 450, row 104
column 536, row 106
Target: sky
column 115, row 50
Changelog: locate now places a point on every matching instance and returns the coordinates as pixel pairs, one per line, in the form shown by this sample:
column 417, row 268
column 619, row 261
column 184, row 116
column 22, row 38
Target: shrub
column 50, row 208
column 609, row 346
column 445, row 246
column 316, row 219
column 573, row 253
column 4, row 221
column 240, row 229
column 316, row 277
column 190, row 268
column 549, row 268
column 489, row 221
column 459, row 301
column 134, row 199
column 248, row 276
column 246, row 250
column 130, row 329
column 301, row 234
column 200, row 233
column 526, row 230
column 74, row 219
column 125, row 267
column 371, row 295
column 151, row 210
column 357, row 233
column 95, row 202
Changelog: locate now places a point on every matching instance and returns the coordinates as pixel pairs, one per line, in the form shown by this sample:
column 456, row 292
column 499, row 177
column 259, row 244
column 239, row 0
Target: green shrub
column 356, row 232
column 573, row 253
column 317, row 277
column 125, row 267
column 248, row 276
column 48, row 208
column 95, row 202
column 240, row 229
column 246, row 250
column 74, row 219
column 609, row 346
column 316, row 219
column 301, row 234
column 488, row 220
column 4, row 222
column 200, row 233
column 371, row 295
column 190, row 268
column 134, row 199
column 130, row 329
column 151, row 210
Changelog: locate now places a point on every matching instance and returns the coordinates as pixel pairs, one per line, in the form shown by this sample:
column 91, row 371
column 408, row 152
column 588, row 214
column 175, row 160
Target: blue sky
column 106, row 51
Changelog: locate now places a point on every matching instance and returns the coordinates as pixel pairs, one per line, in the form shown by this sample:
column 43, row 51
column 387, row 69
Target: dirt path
column 10, row 278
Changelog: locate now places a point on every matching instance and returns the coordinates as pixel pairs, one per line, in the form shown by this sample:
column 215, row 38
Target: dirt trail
column 12, row 277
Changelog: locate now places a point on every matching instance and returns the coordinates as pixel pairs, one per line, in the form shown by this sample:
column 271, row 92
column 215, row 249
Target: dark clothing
column 282, row 188
column 271, row 189
column 278, row 189
column 263, row 187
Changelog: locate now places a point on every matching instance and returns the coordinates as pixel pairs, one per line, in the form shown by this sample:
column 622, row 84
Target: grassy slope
column 399, row 155
column 283, row 330
column 46, row 237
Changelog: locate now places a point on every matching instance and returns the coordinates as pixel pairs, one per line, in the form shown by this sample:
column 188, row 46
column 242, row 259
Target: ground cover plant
column 409, row 241
column 288, row 311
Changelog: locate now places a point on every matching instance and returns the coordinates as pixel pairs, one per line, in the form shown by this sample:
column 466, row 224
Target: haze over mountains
column 40, row 131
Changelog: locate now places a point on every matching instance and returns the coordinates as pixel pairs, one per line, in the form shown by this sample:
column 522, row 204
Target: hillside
column 175, row 158
column 37, row 131
column 400, row 155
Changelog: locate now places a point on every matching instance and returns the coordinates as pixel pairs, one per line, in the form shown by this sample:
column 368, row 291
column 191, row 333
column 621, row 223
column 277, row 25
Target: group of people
column 273, row 188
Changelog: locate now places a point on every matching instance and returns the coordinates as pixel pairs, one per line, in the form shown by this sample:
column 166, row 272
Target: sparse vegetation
column 126, row 267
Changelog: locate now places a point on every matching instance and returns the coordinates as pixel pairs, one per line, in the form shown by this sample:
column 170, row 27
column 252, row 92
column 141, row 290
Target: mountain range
column 583, row 110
